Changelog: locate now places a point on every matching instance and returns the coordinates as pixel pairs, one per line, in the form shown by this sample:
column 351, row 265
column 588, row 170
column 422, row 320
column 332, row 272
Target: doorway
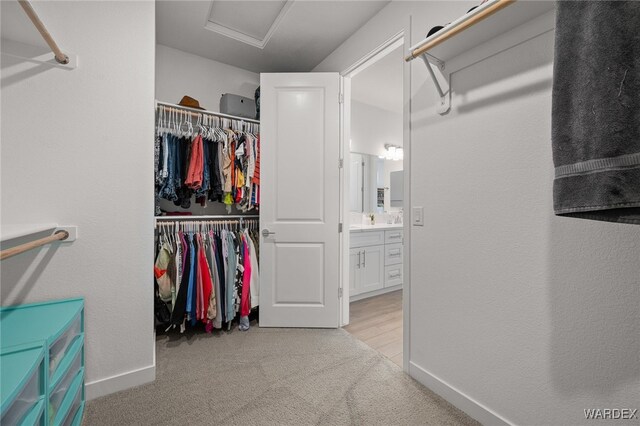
column 374, row 197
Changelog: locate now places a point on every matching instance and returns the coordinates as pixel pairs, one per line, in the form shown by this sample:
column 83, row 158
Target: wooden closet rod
column 28, row 9
column 58, row 236
column 490, row 10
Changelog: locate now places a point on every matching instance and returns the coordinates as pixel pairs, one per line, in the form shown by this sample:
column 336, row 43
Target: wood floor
column 377, row 321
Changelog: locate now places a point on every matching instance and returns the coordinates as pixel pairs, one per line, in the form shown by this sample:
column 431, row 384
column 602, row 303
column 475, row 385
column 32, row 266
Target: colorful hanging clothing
column 217, row 166
column 208, row 277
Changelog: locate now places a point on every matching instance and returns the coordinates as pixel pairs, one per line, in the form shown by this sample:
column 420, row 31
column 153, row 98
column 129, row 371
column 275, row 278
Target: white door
column 372, row 269
column 299, row 200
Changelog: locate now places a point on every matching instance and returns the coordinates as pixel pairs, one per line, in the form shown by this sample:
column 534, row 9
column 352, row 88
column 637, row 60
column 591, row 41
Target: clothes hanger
column 158, row 121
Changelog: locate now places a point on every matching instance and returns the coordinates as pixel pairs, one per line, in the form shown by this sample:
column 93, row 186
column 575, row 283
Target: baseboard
column 464, row 402
column 375, row 293
column 120, row 382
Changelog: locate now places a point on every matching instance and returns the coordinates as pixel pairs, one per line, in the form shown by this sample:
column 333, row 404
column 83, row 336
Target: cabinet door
column 354, row 271
column 372, row 268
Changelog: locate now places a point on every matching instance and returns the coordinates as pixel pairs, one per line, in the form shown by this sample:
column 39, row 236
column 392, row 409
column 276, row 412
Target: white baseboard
column 120, row 382
column 464, row 402
column 374, row 293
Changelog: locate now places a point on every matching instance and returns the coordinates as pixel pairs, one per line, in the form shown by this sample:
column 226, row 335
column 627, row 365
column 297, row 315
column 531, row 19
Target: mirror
column 370, row 183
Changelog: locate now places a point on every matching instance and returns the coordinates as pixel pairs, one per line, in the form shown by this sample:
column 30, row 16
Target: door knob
column 266, row 233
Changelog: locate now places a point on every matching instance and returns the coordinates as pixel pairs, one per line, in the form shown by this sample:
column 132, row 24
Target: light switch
column 417, row 216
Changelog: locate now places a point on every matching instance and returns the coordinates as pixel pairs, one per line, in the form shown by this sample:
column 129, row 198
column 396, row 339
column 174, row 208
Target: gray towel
column 596, row 110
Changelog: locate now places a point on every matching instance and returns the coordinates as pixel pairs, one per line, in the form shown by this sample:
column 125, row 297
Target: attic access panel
column 251, row 22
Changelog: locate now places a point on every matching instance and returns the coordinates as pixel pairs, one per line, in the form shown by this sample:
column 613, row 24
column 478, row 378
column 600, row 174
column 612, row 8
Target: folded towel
column 596, row 110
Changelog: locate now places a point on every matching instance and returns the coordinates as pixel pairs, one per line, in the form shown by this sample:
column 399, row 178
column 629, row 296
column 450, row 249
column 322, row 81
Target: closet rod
column 28, row 9
column 424, row 46
column 58, row 236
column 218, row 216
column 197, row 112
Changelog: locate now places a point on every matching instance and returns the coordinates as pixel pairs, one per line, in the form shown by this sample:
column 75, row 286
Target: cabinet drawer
column 77, row 420
column 64, row 383
column 71, row 402
column 59, row 348
column 26, row 399
column 393, row 275
column 392, row 254
column 367, row 238
column 35, row 416
column 394, row 236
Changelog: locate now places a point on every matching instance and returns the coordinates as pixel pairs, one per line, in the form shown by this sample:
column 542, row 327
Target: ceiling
column 380, row 85
column 262, row 36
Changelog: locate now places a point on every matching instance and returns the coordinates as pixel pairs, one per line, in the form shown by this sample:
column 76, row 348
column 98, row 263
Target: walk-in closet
column 319, row 212
column 206, row 265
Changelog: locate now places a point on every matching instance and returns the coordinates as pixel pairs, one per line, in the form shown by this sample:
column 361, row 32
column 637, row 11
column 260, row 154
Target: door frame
column 395, row 41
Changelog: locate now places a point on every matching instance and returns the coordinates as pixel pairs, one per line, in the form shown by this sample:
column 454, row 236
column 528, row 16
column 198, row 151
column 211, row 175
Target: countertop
column 376, row 227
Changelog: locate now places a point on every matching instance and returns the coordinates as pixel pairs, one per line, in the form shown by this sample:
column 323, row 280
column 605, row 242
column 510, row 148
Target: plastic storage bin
column 22, row 382
column 59, row 348
column 62, row 386
column 57, row 327
column 238, row 106
column 77, row 420
column 72, row 408
column 35, row 416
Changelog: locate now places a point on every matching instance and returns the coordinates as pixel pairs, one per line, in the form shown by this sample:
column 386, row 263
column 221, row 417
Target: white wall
column 516, row 315
column 77, row 149
column 180, row 73
column 373, row 127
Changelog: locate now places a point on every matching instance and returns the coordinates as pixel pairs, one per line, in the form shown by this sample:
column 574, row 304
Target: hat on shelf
column 435, row 30
column 189, row 102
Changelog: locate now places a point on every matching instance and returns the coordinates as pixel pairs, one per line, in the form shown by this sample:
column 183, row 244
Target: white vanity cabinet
column 375, row 261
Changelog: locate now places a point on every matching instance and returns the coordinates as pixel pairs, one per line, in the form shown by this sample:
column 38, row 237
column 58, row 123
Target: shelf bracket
column 445, row 94
column 435, row 61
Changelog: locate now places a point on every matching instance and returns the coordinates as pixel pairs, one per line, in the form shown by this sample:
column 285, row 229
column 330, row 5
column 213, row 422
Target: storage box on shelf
column 42, row 347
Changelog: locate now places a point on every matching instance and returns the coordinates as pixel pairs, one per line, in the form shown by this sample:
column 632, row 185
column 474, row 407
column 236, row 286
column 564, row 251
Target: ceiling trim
column 244, row 38
column 391, row 44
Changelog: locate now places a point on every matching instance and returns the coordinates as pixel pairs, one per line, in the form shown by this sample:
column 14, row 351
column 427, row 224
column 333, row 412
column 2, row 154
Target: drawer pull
column 394, row 253
column 395, row 236
column 395, row 275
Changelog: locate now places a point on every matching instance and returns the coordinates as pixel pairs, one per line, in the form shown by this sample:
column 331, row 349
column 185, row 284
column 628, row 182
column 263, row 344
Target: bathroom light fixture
column 393, row 152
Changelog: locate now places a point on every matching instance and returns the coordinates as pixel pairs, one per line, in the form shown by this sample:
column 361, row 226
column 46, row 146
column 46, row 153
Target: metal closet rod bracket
column 444, row 106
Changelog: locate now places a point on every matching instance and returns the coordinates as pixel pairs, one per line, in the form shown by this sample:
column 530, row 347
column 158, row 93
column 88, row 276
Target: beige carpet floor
column 273, row 377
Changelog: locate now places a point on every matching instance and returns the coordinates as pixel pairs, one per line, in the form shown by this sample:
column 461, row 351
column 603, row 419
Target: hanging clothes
column 208, row 274
column 216, row 164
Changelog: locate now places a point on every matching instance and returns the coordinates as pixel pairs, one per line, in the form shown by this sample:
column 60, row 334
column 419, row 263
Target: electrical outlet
column 417, row 216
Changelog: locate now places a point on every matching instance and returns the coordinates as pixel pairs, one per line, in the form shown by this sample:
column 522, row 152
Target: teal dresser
column 42, row 363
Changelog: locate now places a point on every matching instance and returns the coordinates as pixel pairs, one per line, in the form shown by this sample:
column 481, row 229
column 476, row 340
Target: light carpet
column 273, row 377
